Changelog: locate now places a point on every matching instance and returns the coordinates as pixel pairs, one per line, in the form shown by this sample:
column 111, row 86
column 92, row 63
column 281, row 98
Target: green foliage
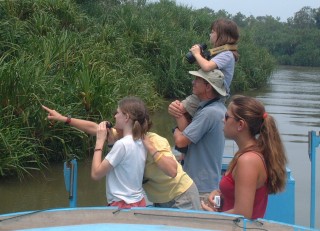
column 80, row 57
column 254, row 67
column 51, row 53
column 304, row 18
column 291, row 43
column 20, row 151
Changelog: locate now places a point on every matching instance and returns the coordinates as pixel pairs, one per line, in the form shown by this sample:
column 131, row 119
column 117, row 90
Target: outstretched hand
column 53, row 114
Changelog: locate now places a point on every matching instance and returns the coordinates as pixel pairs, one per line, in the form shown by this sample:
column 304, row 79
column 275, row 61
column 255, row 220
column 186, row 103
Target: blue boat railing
column 70, row 172
column 314, row 142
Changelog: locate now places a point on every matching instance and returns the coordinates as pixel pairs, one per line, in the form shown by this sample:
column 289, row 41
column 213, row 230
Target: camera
column 217, row 201
column 109, row 124
column 205, row 53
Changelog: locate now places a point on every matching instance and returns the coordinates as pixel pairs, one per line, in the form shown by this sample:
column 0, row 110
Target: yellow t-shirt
column 159, row 187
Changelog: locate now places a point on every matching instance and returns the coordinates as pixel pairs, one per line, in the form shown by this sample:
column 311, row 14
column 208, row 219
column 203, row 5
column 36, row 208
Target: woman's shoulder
column 251, row 157
column 251, row 162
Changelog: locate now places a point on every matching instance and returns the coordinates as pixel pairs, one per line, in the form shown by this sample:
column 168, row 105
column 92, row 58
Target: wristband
column 68, row 121
column 153, row 154
column 173, row 129
column 97, row 149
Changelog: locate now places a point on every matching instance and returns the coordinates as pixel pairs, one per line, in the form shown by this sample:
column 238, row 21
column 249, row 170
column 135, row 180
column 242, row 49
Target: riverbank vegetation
column 80, row 57
column 294, row 42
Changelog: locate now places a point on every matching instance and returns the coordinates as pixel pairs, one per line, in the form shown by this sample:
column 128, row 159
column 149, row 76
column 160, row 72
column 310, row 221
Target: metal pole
column 71, row 181
column 73, row 200
column 314, row 141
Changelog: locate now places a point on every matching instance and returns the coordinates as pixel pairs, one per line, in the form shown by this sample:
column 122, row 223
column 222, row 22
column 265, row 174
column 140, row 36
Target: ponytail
column 262, row 127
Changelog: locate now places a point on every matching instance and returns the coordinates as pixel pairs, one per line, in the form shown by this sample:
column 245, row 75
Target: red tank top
column 227, row 188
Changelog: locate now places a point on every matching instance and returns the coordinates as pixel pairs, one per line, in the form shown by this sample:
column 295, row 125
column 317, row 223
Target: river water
column 292, row 97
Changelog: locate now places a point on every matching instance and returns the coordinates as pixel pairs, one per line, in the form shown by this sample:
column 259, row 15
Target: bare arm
column 179, row 139
column 246, row 176
column 167, row 164
column 100, row 166
column 205, row 65
column 86, row 126
column 249, row 175
column 182, row 122
column 177, row 110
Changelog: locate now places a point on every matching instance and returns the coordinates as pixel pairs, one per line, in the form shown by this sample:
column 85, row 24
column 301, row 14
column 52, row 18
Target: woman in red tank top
column 258, row 168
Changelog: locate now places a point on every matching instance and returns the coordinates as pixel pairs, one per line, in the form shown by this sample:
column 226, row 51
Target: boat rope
column 236, row 220
column 26, row 214
column 117, row 211
column 259, row 223
column 175, row 216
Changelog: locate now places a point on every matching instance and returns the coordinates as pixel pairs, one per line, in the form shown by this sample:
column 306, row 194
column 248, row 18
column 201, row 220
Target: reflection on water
column 292, row 98
column 47, row 190
column 294, row 101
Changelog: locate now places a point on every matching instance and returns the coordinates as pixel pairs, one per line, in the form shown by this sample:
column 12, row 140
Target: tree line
column 294, row 42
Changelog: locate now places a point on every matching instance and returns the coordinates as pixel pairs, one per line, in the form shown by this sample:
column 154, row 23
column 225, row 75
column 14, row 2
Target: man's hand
column 176, row 109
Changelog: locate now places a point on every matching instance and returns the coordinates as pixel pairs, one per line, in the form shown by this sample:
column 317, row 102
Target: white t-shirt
column 124, row 181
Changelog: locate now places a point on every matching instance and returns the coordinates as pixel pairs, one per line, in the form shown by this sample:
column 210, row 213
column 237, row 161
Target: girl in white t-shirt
column 124, row 164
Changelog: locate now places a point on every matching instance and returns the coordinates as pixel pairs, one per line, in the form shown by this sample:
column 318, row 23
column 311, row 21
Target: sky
column 275, row 8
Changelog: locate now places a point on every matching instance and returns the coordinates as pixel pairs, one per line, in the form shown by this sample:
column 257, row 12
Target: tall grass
column 20, row 152
column 81, row 57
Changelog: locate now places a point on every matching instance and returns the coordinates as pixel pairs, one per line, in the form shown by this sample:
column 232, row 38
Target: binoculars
column 109, row 124
column 205, row 53
column 208, row 54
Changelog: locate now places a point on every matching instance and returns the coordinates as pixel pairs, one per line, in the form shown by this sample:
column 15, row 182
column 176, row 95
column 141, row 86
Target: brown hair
column 263, row 127
column 227, row 33
column 137, row 111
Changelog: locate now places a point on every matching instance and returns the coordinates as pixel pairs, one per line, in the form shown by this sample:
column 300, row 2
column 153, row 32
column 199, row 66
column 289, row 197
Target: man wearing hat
column 204, row 135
